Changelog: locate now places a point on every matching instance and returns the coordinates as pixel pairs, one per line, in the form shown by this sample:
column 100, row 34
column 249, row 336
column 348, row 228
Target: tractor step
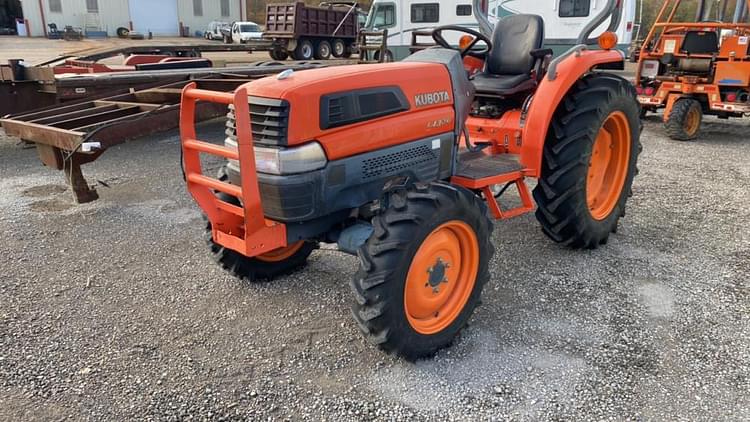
column 480, row 172
column 478, row 165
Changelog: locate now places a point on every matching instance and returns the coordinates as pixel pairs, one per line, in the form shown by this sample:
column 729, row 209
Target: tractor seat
column 700, row 42
column 510, row 63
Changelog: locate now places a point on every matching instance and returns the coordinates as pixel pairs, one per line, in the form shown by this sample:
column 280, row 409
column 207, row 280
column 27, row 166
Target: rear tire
column 348, row 51
column 304, row 51
column 596, row 127
column 338, row 48
column 323, row 50
column 279, row 55
column 684, row 122
column 392, row 303
column 266, row 267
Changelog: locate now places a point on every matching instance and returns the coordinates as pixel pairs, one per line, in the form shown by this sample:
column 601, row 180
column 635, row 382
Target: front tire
column 423, row 270
column 590, row 161
column 684, row 122
column 265, row 267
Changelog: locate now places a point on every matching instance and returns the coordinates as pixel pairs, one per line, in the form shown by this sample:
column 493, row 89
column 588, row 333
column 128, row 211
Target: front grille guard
column 240, row 228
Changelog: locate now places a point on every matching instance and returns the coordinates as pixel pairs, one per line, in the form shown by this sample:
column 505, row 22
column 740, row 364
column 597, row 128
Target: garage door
column 157, row 16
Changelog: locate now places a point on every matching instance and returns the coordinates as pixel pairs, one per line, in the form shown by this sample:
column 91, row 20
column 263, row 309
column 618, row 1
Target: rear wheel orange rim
column 281, row 254
column 693, row 121
column 441, row 277
column 608, row 168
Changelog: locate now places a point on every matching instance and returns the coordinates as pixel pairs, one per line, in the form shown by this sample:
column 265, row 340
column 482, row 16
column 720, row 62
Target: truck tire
column 349, row 51
column 266, row 267
column 684, row 122
column 590, row 161
column 422, row 271
column 277, row 54
column 227, row 39
column 305, row 50
column 323, row 50
column 338, row 48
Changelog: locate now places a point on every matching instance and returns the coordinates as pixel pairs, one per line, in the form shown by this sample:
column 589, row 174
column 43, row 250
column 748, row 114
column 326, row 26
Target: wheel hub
column 437, row 275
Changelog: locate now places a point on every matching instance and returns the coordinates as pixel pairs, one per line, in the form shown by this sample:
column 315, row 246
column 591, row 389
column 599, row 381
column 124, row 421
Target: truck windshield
column 382, row 16
column 250, row 28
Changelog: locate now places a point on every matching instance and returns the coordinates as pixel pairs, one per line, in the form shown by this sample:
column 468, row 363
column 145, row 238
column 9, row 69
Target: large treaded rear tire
column 680, row 125
column 386, row 258
column 561, row 196
column 254, row 269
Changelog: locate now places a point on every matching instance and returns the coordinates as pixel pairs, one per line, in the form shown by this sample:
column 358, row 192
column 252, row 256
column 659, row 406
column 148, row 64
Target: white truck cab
column 243, row 32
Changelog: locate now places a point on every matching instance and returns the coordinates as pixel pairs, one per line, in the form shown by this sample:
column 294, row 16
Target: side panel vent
column 397, row 162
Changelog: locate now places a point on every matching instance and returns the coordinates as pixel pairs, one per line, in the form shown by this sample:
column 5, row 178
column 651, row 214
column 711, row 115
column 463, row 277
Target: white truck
column 242, row 32
column 564, row 19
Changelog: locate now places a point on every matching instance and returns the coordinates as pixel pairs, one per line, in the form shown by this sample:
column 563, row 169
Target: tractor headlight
column 280, row 161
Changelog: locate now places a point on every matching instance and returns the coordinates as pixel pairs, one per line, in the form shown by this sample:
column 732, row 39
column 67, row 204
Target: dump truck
column 305, row 32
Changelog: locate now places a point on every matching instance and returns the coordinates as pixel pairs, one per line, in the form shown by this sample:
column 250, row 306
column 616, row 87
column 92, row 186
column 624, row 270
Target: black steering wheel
column 437, row 35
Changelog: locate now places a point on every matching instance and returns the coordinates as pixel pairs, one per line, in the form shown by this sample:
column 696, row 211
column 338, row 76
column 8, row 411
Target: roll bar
column 485, row 27
column 613, row 9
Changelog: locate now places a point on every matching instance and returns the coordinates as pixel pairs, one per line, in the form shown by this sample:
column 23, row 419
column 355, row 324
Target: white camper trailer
column 403, row 17
column 564, row 19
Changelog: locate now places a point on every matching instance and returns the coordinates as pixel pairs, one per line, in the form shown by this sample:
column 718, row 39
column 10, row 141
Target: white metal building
column 161, row 17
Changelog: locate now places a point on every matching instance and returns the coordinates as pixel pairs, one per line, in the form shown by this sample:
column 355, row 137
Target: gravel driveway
column 115, row 311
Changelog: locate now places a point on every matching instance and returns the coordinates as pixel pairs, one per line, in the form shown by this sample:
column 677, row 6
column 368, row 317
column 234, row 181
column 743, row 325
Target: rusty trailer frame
column 66, row 137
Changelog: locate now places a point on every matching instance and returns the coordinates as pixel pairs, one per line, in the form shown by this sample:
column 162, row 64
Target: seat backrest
column 514, row 39
column 700, row 42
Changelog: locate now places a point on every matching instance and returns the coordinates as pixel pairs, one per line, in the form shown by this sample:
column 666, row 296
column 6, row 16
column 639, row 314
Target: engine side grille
column 269, row 119
column 397, row 162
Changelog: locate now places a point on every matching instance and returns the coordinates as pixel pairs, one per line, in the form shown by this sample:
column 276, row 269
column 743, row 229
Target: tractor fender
column 564, row 72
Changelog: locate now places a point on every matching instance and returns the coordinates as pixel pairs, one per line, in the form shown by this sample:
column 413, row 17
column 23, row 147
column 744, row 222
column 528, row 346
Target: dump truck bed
column 295, row 20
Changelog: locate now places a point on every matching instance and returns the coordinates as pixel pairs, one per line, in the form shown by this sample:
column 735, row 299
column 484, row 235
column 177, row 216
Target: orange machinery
column 692, row 69
column 405, row 165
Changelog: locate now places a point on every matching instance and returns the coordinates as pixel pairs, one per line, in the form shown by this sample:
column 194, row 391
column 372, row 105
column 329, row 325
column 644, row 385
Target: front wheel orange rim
column 281, row 254
column 441, row 277
column 608, row 168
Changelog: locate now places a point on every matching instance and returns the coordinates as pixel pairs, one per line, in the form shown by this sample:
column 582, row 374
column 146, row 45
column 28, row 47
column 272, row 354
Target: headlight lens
column 280, row 161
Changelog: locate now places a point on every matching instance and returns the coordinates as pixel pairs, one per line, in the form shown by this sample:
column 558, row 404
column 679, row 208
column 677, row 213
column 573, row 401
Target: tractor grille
column 395, row 163
column 269, row 119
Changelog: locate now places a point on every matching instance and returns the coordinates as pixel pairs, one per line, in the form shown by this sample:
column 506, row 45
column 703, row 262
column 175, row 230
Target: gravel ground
column 115, row 311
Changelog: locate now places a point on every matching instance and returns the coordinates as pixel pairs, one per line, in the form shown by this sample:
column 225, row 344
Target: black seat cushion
column 700, row 42
column 487, row 83
column 510, row 63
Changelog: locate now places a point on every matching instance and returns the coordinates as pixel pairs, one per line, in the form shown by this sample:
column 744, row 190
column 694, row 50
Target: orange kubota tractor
column 398, row 163
column 696, row 68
